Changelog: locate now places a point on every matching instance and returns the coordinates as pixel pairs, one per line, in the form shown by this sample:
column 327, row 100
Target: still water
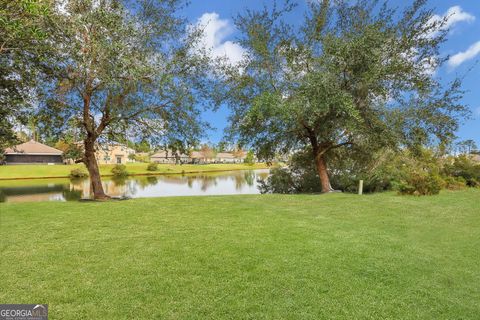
column 219, row 183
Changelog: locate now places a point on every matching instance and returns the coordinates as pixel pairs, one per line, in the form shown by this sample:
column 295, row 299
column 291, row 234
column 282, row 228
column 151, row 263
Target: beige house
column 168, row 156
column 199, row 157
column 228, row 157
column 114, row 154
column 220, row 157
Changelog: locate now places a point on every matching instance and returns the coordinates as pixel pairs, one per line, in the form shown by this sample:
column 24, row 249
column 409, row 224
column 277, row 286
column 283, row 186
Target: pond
column 216, row 183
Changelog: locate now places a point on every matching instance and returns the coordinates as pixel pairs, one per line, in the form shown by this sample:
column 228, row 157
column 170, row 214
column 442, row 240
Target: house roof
column 33, row 147
column 196, row 155
column 242, row 155
column 232, row 155
column 202, row 155
column 225, row 155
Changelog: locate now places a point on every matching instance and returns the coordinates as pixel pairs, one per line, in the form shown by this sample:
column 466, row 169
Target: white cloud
column 456, row 14
column 461, row 57
column 215, row 31
column 453, row 15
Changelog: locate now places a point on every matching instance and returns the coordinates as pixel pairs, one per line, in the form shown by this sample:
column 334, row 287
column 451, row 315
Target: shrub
column 250, row 158
column 142, row 158
column 377, row 169
column 417, row 173
column 119, row 170
column 152, row 166
column 299, row 177
column 376, row 180
column 463, row 167
column 453, row 183
column 420, row 184
column 279, row 181
column 78, row 173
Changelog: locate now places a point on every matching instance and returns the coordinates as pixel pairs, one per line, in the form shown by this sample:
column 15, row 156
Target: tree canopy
column 355, row 75
column 125, row 67
column 24, row 57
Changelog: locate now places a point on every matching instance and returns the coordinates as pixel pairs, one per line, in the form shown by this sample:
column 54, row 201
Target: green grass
column 62, row 171
column 334, row 256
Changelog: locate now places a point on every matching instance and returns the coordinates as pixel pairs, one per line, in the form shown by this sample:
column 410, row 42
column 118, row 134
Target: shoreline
column 138, row 174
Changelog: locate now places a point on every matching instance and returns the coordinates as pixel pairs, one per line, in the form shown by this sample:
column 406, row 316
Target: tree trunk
column 323, row 173
column 92, row 166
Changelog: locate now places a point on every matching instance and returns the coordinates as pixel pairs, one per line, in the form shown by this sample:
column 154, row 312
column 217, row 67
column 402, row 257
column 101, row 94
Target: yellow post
column 360, row 187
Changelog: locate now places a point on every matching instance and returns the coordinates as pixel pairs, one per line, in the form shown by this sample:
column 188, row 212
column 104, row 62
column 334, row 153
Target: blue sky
column 463, row 47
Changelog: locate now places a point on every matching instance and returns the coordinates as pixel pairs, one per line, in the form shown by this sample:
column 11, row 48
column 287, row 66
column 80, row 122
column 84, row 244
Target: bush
column 345, row 171
column 152, row 166
column 279, row 181
column 250, row 158
column 375, row 180
column 300, row 177
column 78, row 174
column 453, row 183
column 119, row 170
column 417, row 173
column 142, row 158
column 420, row 184
column 465, row 168
column 377, row 168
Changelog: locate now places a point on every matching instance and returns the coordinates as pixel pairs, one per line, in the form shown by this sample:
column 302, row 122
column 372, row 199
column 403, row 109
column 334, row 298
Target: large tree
column 353, row 75
column 126, row 68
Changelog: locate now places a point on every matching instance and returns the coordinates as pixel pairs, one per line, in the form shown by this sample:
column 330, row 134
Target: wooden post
column 360, row 187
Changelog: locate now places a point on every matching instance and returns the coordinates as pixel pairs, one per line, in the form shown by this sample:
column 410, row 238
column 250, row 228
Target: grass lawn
column 334, row 256
column 62, row 171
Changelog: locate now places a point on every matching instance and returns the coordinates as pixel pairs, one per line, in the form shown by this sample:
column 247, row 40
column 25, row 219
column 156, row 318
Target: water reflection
column 221, row 183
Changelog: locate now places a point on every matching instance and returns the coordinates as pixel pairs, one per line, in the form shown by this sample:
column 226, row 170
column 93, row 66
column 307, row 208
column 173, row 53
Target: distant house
column 229, row 157
column 169, row 156
column 199, row 157
column 114, row 153
column 111, row 153
column 33, row 152
column 476, row 157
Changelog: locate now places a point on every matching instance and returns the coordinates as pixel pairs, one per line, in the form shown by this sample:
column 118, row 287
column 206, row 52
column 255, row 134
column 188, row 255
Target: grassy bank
column 62, row 171
column 334, row 256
